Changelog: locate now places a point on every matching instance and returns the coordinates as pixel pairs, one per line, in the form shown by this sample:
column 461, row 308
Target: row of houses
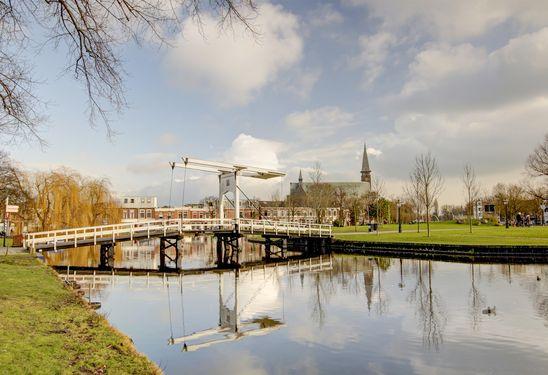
column 146, row 208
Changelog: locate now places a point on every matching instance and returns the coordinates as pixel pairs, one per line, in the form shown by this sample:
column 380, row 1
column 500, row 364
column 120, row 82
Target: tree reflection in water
column 476, row 300
column 430, row 313
column 382, row 298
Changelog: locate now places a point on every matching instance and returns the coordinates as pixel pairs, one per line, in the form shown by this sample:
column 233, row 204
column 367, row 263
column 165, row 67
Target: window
column 148, row 200
column 160, row 216
column 124, row 214
column 141, row 214
column 132, row 200
column 131, row 214
column 142, row 200
column 125, row 200
column 149, row 213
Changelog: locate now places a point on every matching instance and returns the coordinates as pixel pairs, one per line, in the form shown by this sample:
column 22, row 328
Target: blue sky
column 466, row 80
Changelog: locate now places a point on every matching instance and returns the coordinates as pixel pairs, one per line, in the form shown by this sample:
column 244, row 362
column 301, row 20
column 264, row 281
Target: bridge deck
column 86, row 236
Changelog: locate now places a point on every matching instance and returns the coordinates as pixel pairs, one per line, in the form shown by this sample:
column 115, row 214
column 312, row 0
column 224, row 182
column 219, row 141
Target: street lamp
column 398, row 204
column 506, row 211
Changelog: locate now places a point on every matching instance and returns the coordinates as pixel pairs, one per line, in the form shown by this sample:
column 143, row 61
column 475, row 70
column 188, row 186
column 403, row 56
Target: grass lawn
column 8, row 242
column 45, row 328
column 405, row 227
column 454, row 234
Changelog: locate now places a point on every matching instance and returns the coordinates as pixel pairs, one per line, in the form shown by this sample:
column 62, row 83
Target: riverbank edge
column 454, row 252
column 46, row 326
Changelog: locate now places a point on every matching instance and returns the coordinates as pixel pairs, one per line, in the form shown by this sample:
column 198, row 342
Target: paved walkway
column 13, row 250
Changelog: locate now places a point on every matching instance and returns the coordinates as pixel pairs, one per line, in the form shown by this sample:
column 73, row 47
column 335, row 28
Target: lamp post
column 398, row 211
column 506, row 211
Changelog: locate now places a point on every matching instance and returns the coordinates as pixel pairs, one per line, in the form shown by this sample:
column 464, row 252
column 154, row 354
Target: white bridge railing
column 154, row 228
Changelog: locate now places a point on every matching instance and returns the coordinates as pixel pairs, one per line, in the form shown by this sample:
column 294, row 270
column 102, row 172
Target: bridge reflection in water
column 359, row 309
column 230, row 327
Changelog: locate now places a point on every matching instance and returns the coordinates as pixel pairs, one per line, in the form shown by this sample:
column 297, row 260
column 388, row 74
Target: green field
column 449, row 233
column 405, row 227
column 46, row 329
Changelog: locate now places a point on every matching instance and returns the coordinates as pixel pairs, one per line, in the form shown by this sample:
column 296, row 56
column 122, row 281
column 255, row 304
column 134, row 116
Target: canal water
column 357, row 314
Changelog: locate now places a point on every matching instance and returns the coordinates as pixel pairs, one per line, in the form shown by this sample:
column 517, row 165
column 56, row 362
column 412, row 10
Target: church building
column 297, row 190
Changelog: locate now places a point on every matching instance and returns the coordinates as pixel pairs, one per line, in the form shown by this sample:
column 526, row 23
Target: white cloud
column 319, row 123
column 303, row 83
column 374, row 50
column 257, row 152
column 494, row 141
column 445, row 78
column 456, row 20
column 324, row 15
column 233, row 64
column 373, row 151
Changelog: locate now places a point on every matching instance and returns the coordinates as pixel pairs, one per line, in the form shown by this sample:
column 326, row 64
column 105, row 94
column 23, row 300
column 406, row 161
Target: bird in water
column 490, row 310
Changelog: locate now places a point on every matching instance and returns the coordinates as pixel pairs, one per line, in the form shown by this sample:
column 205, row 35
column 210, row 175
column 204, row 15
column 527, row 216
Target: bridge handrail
column 137, row 227
column 122, row 227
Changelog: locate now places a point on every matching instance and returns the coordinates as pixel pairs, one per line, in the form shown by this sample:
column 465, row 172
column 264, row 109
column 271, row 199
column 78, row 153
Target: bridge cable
column 184, row 188
column 258, row 208
column 185, row 348
column 169, row 309
column 171, row 183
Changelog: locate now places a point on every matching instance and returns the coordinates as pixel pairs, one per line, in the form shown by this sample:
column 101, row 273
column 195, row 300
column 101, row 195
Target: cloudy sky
column 466, row 80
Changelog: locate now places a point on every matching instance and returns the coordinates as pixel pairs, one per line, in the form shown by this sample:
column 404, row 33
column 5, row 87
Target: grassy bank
column 46, row 328
column 447, row 233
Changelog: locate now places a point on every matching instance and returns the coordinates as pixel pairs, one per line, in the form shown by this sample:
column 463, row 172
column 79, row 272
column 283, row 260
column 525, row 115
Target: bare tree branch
column 92, row 32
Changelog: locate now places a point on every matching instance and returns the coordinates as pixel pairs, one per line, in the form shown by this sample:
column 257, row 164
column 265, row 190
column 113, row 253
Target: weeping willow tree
column 63, row 199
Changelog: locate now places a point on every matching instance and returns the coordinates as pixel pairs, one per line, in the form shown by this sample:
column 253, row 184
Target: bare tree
column 377, row 186
column 355, row 205
column 472, row 190
column 319, row 194
column 537, row 162
column 428, row 177
column 340, row 199
column 413, row 194
column 92, row 32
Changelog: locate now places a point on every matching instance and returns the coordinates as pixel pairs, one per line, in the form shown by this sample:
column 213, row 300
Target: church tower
column 366, row 171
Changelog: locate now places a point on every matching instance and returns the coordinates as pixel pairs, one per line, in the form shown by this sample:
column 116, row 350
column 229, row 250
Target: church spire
column 300, row 176
column 366, row 171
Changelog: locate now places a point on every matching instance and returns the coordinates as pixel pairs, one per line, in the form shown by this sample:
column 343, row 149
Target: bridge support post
column 275, row 247
column 106, row 256
column 167, row 243
column 228, row 249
